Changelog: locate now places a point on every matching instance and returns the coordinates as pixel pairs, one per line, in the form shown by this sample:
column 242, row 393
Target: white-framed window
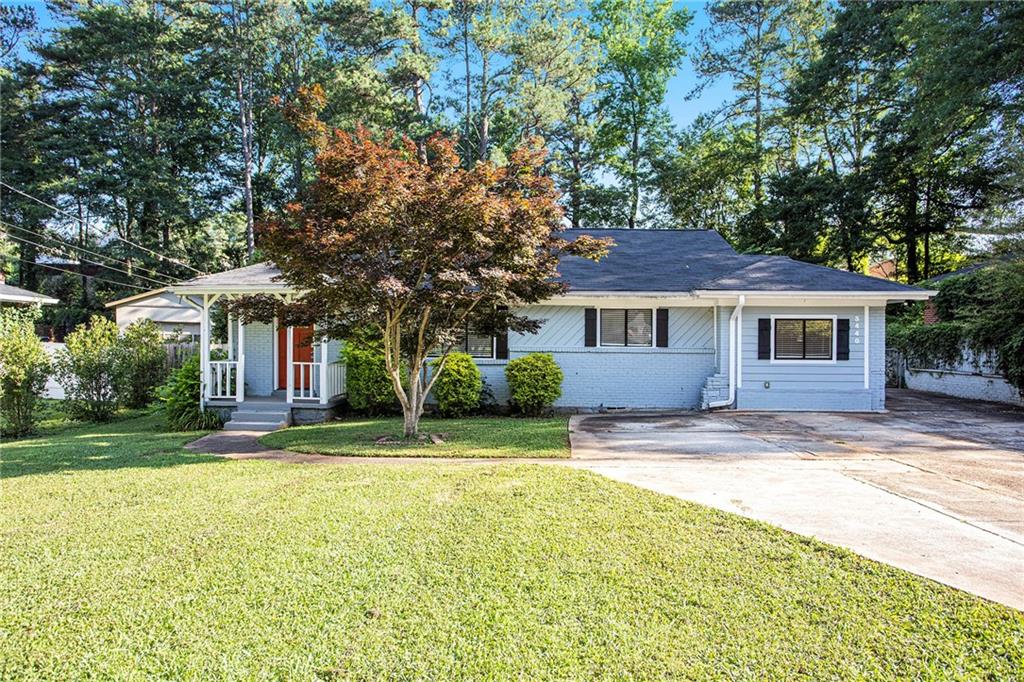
column 626, row 326
column 797, row 338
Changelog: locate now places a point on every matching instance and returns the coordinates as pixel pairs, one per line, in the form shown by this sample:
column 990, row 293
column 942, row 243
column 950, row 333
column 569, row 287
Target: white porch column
column 231, row 345
column 204, row 353
column 289, row 367
column 867, row 347
column 240, row 367
column 323, row 372
column 739, row 349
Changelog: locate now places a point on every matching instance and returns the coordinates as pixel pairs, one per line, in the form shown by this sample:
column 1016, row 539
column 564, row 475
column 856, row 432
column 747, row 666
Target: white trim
column 867, row 347
column 204, row 353
column 276, row 362
column 290, row 366
column 18, row 298
column 835, row 340
column 240, row 367
column 739, row 346
column 882, row 295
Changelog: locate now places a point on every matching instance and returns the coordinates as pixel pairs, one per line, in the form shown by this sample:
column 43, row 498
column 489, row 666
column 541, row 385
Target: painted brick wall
column 964, row 385
column 259, row 359
column 835, row 386
column 619, row 377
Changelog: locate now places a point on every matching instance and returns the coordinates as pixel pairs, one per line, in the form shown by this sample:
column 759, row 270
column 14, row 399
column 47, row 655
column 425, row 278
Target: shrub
column 24, row 366
column 367, row 381
column 142, row 363
column 87, row 368
column 181, row 398
column 534, row 381
column 458, row 388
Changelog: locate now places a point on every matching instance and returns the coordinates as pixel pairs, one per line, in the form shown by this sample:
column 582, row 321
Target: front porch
column 263, row 367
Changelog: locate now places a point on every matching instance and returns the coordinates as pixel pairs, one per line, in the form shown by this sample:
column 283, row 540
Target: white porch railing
column 309, row 380
column 306, row 381
column 222, row 380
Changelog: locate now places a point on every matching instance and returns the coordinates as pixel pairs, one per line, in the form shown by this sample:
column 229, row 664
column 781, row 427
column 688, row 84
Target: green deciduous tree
column 642, row 48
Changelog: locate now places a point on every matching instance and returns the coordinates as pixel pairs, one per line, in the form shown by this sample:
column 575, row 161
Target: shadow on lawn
column 133, row 442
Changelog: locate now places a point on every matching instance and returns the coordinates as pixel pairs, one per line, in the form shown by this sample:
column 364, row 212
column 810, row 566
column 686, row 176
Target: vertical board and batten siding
column 640, row 377
column 799, row 385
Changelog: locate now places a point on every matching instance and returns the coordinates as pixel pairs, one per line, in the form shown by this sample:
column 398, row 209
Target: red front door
column 301, row 352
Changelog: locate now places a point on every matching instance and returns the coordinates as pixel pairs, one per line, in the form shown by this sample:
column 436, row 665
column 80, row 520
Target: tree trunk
column 634, row 180
column 245, row 119
column 910, row 230
column 485, row 120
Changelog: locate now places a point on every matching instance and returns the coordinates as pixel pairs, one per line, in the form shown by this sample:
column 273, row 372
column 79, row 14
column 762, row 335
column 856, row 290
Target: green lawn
column 122, row 556
column 470, row 437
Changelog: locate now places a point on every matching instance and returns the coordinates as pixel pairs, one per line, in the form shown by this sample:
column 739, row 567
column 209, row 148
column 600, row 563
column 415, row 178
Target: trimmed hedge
column 534, row 382
column 458, row 388
column 367, row 381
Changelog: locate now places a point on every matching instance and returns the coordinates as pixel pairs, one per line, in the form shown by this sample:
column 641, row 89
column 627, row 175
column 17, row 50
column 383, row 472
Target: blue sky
column 683, row 112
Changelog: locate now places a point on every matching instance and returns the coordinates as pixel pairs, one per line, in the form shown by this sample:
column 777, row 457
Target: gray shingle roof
column 650, row 260
column 779, row 273
column 689, row 260
column 671, row 261
column 258, row 276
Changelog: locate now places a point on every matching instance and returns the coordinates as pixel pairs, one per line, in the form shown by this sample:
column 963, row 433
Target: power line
column 86, row 260
column 77, row 274
column 116, row 236
column 94, row 253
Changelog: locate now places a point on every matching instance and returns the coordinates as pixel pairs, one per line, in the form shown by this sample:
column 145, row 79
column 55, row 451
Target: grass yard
column 123, row 556
column 469, row 437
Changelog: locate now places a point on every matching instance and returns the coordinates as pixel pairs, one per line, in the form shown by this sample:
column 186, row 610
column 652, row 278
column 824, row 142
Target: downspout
column 732, row 354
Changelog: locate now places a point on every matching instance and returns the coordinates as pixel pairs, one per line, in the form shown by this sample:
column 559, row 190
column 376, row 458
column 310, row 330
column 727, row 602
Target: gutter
column 733, row 344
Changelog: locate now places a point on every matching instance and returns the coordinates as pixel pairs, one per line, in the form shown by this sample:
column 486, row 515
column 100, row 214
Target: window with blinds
column 475, row 345
column 803, row 339
column 627, row 327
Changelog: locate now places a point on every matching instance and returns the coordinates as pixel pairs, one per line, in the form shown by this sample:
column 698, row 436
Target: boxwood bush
column 458, row 388
column 366, row 378
column 534, row 382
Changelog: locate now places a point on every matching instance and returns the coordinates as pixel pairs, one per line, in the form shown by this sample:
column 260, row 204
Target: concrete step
column 247, row 414
column 254, row 426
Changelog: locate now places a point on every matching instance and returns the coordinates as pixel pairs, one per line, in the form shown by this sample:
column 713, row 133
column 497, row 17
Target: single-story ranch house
column 670, row 319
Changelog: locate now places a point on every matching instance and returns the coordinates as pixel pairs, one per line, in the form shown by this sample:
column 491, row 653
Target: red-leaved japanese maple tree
column 402, row 240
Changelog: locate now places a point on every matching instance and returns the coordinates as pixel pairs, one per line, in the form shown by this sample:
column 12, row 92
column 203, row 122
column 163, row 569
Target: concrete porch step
column 248, row 414
column 236, row 425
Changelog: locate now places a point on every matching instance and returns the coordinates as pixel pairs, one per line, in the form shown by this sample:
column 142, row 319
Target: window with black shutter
column 627, row 327
column 803, row 339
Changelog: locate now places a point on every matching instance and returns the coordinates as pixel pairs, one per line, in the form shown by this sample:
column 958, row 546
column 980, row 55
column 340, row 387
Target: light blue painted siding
column 259, row 359
column 669, row 377
column 835, row 386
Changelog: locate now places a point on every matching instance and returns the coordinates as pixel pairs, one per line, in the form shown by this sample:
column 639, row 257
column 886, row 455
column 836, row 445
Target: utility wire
column 88, row 251
column 79, row 274
column 86, row 260
column 115, row 235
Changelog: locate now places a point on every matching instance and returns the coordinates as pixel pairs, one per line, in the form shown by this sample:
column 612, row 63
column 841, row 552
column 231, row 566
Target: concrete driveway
column 935, row 486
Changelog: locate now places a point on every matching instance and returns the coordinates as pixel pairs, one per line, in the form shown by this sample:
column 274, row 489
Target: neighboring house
column 171, row 314
column 670, row 319
column 11, row 295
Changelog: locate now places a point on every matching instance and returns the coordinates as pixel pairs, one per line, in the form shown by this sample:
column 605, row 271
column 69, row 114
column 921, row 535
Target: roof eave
column 902, row 295
column 16, row 298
